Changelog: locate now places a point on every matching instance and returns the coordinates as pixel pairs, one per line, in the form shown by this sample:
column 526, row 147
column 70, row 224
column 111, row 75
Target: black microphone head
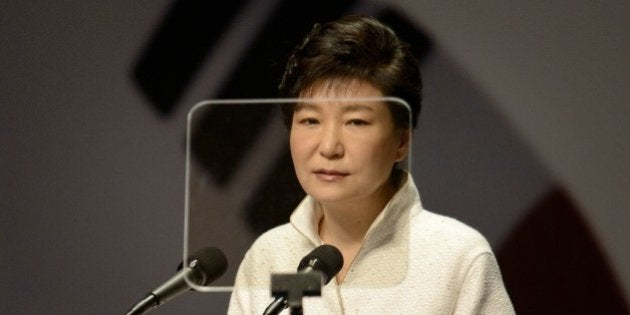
column 326, row 259
column 211, row 261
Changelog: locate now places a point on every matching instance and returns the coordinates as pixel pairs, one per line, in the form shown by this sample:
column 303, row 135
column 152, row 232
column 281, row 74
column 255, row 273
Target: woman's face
column 344, row 151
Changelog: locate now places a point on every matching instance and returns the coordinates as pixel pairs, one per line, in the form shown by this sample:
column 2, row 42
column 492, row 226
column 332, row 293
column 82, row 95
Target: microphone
column 204, row 266
column 326, row 259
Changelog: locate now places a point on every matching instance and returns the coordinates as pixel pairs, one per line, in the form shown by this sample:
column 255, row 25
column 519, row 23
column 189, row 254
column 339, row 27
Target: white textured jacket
column 412, row 261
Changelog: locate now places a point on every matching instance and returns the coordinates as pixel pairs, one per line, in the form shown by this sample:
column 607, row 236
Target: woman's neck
column 348, row 221
column 346, row 224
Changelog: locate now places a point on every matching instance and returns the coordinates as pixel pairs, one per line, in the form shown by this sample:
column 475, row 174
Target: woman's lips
column 329, row 175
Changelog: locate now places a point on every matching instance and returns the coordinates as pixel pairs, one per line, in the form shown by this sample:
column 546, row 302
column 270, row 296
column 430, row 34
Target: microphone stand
column 297, row 310
column 290, row 288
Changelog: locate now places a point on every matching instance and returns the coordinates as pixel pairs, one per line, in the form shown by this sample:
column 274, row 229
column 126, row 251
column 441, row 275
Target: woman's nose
column 331, row 144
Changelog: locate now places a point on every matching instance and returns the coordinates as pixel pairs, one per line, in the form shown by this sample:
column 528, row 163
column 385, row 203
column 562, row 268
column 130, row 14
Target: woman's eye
column 308, row 121
column 358, row 122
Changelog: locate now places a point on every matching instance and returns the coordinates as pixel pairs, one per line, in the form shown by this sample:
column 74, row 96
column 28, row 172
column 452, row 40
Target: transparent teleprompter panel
column 240, row 175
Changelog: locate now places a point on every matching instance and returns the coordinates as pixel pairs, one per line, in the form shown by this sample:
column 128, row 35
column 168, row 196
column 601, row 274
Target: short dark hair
column 355, row 47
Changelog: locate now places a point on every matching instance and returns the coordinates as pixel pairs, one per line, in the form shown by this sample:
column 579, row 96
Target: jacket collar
column 306, row 217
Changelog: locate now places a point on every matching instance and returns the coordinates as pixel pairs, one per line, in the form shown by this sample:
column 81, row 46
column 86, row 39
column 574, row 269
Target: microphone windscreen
column 211, row 261
column 325, row 258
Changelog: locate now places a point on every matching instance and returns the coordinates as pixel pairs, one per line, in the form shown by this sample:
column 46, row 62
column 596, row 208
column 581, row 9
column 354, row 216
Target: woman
column 398, row 257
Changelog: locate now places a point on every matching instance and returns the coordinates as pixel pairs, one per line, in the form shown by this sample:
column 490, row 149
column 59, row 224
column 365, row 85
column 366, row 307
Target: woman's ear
column 403, row 145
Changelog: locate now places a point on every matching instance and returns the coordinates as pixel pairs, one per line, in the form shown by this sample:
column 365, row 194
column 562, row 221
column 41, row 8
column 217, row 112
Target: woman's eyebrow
column 345, row 108
column 356, row 108
column 307, row 106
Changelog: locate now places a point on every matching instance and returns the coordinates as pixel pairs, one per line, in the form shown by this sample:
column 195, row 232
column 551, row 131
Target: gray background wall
column 92, row 180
